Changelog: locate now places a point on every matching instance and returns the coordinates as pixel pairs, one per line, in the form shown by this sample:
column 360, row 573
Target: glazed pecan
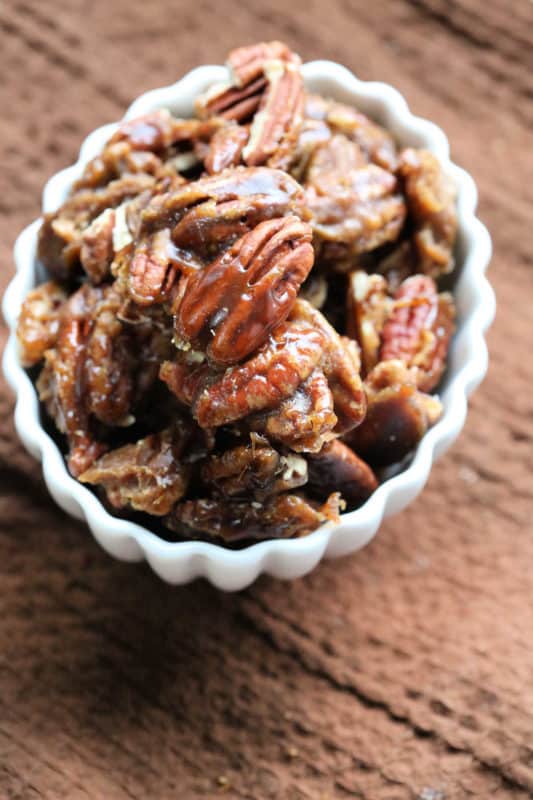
column 272, row 374
column 430, row 196
column 109, row 362
column 419, row 328
column 239, row 98
column 151, row 271
column 338, row 155
column 276, row 125
column 61, row 384
column 248, row 63
column 253, row 470
column 230, row 307
column 337, row 468
column 375, row 142
column 262, row 382
column 149, row 475
column 97, row 249
column 398, row 415
column 368, row 308
column 274, row 190
column 39, row 320
column 305, row 421
column 282, row 516
column 341, row 364
column 225, row 148
column 60, row 236
column 355, row 212
column 156, row 143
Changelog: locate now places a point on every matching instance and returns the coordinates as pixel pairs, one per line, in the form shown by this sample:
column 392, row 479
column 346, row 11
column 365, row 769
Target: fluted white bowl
column 179, row 562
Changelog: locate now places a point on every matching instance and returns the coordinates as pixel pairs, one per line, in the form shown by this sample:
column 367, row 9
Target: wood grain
column 403, row 672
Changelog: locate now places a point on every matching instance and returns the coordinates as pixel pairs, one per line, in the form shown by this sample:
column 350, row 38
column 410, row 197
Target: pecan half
column 398, row 415
column 337, row 468
column 419, row 329
column 230, row 307
column 60, row 236
column 375, row 142
column 282, row 516
column 61, row 384
column 272, row 374
column 276, row 125
column 255, row 470
column 248, row 63
column 305, row 421
column 278, row 190
column 262, row 382
column 239, row 98
column 109, row 362
column 39, row 320
column 151, row 272
column 156, row 143
column 337, row 154
column 368, row 308
column 149, row 475
column 341, row 364
column 97, row 251
column 355, row 212
column 225, row 148
column 431, row 199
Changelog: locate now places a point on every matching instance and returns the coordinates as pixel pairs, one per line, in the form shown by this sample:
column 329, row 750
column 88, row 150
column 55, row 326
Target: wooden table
column 403, row 672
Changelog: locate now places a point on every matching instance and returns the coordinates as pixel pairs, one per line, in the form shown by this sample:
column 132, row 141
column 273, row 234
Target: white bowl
column 179, row 562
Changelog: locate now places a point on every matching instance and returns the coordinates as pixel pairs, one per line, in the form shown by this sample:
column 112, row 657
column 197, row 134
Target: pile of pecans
column 243, row 328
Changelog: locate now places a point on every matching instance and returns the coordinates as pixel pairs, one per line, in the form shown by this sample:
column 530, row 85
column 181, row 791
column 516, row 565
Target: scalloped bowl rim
column 180, row 562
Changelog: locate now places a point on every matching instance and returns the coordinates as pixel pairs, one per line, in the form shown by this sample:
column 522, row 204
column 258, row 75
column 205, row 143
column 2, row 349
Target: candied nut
column 276, row 125
column 151, row 273
column 153, row 131
column 149, row 475
column 282, row 516
column 39, row 320
column 368, row 308
column 231, row 102
column 272, row 374
column 97, row 248
column 355, row 212
column 60, row 236
column 419, row 329
column 398, row 415
column 254, row 469
column 248, row 63
column 374, row 141
column 280, row 193
column 341, row 365
column 146, row 144
column 225, row 148
column 185, row 378
column 109, row 362
column 304, row 421
column 61, row 384
column 430, row 196
column 239, row 98
column 337, row 154
column 230, row 307
column 337, row 468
